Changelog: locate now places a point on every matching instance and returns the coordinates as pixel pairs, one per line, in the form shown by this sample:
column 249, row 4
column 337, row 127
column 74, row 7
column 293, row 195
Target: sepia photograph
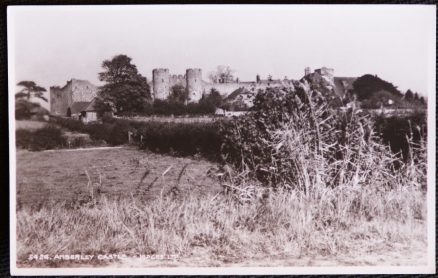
column 222, row 139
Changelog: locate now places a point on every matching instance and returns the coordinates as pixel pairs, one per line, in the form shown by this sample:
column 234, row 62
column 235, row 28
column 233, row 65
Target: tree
column 125, row 90
column 416, row 98
column 214, row 97
column 30, row 89
column 223, row 74
column 24, row 107
column 209, row 102
column 366, row 85
column 409, row 95
column 178, row 94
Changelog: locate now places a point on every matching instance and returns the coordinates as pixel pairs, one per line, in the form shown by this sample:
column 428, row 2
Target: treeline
column 398, row 131
column 373, row 92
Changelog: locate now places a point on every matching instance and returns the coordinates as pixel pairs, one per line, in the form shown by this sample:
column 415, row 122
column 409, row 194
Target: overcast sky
column 51, row 45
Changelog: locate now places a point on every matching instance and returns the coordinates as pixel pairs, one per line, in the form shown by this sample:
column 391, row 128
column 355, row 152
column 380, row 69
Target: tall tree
column 409, row 95
column 178, row 94
column 24, row 107
column 125, row 89
column 30, row 89
column 366, row 85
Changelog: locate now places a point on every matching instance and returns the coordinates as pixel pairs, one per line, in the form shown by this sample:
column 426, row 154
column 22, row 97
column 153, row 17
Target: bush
column 117, row 133
column 23, row 138
column 49, row 137
column 25, row 109
column 295, row 139
column 181, row 138
column 178, row 138
column 398, row 132
column 70, row 124
column 79, row 142
column 112, row 131
column 46, row 138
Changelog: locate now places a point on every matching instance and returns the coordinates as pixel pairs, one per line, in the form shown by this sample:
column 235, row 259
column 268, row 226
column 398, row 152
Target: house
column 87, row 111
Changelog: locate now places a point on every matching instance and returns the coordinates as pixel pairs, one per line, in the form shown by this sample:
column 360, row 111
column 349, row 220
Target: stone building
column 162, row 83
column 66, row 100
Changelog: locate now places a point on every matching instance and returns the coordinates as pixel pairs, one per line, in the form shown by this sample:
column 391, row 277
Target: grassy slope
column 61, row 176
column 321, row 227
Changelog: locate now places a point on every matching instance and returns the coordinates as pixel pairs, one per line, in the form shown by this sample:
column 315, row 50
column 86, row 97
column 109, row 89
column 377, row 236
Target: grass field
column 122, row 200
column 64, row 175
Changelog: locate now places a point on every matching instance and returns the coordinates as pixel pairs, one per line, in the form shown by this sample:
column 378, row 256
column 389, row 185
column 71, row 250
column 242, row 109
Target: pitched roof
column 78, row 106
column 92, row 106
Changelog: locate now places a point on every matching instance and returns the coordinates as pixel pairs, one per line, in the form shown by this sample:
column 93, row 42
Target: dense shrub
column 181, row 138
column 295, row 139
column 366, row 85
column 177, row 138
column 70, row 124
column 112, row 131
column 25, row 109
column 398, row 132
column 115, row 133
column 80, row 142
column 23, row 138
column 49, row 137
column 206, row 106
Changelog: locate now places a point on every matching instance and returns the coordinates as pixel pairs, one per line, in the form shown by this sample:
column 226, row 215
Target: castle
column 163, row 81
column 74, row 96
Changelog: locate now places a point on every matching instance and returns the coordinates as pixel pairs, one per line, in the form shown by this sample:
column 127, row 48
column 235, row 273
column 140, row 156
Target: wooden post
column 129, row 137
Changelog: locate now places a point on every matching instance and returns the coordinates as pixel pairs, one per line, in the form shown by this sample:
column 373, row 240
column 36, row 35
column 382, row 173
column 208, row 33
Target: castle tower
column 160, row 83
column 194, row 84
column 307, row 71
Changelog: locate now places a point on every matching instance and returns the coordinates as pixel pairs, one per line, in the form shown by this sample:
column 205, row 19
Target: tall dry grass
column 244, row 223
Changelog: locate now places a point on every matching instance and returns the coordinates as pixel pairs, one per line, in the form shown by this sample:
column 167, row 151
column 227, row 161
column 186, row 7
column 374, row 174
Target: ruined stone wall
column 82, row 90
column 177, row 80
column 326, row 73
column 226, row 89
column 160, row 83
column 194, row 85
column 59, row 100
